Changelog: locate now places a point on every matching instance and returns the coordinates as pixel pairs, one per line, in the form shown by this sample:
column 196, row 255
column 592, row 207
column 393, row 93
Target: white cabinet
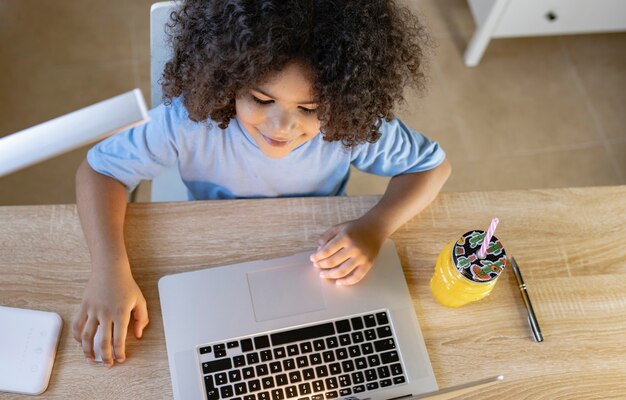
column 513, row 18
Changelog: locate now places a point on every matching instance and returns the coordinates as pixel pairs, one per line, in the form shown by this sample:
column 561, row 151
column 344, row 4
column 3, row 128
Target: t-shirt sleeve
column 142, row 152
column 399, row 150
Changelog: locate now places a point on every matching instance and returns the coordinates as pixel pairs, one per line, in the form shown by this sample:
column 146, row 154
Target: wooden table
column 569, row 243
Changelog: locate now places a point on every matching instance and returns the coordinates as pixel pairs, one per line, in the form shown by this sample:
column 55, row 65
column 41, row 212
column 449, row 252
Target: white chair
column 168, row 186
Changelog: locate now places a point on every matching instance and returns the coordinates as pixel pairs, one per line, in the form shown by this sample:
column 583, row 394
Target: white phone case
column 28, row 344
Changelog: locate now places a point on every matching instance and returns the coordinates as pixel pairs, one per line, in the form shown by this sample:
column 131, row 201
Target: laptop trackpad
column 285, row 291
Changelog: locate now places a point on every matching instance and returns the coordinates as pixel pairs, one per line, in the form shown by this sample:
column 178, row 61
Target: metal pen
column 532, row 319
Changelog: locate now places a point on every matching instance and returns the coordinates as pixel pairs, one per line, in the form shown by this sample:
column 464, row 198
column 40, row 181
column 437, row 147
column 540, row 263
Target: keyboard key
column 267, row 382
column 381, row 317
column 354, row 351
column 305, row 388
column 357, row 323
column 280, row 352
column 252, row 358
column 220, row 353
column 222, row 364
column 321, row 371
column 249, row 397
column 254, row 385
column 281, row 380
column 358, row 389
column 302, row 362
column 239, row 361
column 289, row 364
column 358, row 377
column 306, row 347
column 263, row 396
column 367, row 348
column 357, row 337
column 220, row 346
column 331, row 383
column 370, row 334
column 246, row 345
column 308, row 374
column 384, row 331
column 261, row 370
column 295, row 377
column 360, row 363
column 370, row 375
column 208, row 382
column 334, row 368
column 343, row 326
column 373, row 360
column 266, row 355
column 276, row 367
column 278, row 394
column 212, row 394
column 261, row 342
column 318, row 385
column 372, row 386
column 232, row 345
column 317, row 397
column 383, row 372
column 226, row 391
column 292, row 350
column 345, row 392
column 220, row 378
column 370, row 320
column 248, row 373
column 240, row 388
column 389, row 357
column 328, row 356
column 341, row 353
column 344, row 340
column 234, row 375
column 385, row 383
column 384, row 345
column 344, row 381
column 291, row 391
column 396, row 369
column 315, row 359
column 332, row 342
column 332, row 395
column 205, row 350
column 318, row 345
column 348, row 366
column 398, row 380
column 306, row 333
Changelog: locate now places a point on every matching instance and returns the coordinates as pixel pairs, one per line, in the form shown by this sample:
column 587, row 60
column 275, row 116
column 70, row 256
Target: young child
column 265, row 98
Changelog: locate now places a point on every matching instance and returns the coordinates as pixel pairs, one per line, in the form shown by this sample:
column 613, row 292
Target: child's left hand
column 347, row 251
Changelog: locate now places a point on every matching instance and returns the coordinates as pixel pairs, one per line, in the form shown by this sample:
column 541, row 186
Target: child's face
column 280, row 112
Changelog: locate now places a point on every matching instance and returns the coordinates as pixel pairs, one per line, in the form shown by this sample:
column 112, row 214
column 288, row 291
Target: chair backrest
column 168, row 186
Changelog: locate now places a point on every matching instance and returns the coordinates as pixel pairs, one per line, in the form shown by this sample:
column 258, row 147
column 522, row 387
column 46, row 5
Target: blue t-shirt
column 217, row 163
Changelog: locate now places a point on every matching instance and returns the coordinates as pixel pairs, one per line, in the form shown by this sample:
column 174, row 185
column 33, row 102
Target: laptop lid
column 253, row 298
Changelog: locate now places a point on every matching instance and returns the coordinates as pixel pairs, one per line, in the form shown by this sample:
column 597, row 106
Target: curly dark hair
column 361, row 53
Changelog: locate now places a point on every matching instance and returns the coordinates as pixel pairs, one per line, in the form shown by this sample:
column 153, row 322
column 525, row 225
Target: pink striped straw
column 482, row 252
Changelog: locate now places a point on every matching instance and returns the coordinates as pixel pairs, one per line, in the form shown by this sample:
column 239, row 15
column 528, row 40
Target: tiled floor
column 537, row 112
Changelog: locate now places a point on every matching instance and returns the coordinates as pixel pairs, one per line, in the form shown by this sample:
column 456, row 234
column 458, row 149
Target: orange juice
column 460, row 276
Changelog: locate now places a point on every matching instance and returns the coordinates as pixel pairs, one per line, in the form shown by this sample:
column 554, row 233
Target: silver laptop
column 273, row 330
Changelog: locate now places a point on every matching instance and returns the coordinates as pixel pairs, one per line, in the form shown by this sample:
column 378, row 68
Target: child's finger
column 140, row 313
column 334, row 260
column 105, row 343
column 330, row 248
column 342, row 270
column 120, row 329
column 326, row 236
column 89, row 331
column 78, row 325
column 355, row 276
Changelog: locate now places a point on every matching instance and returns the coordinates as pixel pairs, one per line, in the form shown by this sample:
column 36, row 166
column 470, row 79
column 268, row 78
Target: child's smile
column 280, row 113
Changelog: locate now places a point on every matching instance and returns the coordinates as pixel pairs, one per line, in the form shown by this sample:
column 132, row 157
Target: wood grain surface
column 569, row 244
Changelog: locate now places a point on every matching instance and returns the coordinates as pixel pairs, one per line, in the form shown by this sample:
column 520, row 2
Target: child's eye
column 308, row 110
column 263, row 102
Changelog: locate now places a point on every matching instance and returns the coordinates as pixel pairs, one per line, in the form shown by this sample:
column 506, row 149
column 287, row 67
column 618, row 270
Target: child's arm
column 111, row 294
column 346, row 251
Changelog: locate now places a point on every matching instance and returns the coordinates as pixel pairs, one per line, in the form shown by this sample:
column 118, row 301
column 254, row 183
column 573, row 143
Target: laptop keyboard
column 334, row 359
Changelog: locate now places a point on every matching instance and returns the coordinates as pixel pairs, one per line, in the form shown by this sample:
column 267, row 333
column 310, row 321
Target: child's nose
column 285, row 123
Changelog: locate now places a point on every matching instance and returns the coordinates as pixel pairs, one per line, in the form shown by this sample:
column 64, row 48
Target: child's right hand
column 109, row 299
